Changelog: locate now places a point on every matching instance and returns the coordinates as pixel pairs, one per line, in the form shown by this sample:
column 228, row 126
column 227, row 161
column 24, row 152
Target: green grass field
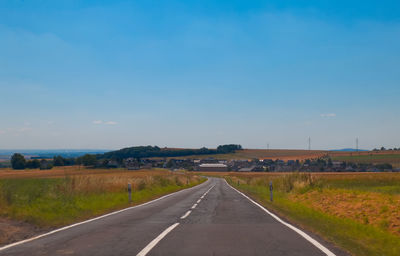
column 357, row 213
column 52, row 202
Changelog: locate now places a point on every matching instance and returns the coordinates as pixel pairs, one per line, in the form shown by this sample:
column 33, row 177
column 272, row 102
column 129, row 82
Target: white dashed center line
column 156, row 240
column 186, row 214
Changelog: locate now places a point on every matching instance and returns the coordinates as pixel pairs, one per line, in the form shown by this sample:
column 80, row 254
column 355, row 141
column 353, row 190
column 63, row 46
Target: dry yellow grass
column 59, row 172
column 376, row 209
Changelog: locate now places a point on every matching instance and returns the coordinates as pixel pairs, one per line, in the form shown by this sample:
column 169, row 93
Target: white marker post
column 270, row 191
column 130, row 192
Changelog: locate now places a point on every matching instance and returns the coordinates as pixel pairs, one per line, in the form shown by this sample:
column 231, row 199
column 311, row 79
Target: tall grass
column 60, row 201
column 356, row 237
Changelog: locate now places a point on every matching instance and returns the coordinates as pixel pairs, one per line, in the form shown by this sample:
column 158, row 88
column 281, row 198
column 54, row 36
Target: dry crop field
column 33, row 201
column 373, row 157
column 60, row 172
column 360, row 212
column 370, row 157
column 282, row 154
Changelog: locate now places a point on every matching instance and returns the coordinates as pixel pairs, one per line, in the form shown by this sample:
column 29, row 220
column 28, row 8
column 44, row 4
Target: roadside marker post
column 270, row 191
column 130, row 192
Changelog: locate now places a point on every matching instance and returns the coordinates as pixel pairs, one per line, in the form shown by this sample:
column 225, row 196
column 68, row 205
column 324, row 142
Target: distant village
column 254, row 165
column 208, row 160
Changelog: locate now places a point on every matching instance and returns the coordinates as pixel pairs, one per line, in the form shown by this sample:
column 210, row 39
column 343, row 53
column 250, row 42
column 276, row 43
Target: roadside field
column 359, row 212
column 60, row 172
column 34, row 201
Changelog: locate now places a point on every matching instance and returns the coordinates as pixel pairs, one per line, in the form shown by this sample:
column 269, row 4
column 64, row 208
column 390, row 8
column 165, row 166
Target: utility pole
column 268, row 146
column 356, row 144
column 309, row 143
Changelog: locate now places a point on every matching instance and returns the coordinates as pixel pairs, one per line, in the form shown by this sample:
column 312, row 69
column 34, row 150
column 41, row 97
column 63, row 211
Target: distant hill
column 348, row 150
column 150, row 151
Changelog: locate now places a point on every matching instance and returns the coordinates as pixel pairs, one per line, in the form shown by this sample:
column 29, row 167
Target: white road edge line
column 298, row 231
column 90, row 220
column 156, row 240
column 186, row 214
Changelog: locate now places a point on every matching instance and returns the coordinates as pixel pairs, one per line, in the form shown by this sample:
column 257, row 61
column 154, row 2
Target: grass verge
column 352, row 235
column 54, row 202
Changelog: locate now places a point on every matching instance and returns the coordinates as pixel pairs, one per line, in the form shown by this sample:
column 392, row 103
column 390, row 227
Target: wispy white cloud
column 16, row 130
column 104, row 122
column 24, row 129
column 328, row 115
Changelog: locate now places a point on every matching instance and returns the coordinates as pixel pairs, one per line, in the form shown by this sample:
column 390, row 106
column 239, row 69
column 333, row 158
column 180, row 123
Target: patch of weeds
column 384, row 209
column 384, row 224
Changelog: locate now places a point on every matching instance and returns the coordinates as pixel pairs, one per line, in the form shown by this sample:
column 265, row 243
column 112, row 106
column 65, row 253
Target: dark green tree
column 18, row 161
column 45, row 165
column 87, row 160
column 33, row 164
column 58, row 161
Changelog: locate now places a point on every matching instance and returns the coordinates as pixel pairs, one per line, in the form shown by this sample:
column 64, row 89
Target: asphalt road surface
column 209, row 219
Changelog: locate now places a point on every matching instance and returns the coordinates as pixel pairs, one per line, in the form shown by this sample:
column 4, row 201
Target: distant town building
column 213, row 168
column 252, row 169
column 337, row 164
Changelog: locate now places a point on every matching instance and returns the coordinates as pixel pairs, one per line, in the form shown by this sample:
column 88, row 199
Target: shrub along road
column 209, row 219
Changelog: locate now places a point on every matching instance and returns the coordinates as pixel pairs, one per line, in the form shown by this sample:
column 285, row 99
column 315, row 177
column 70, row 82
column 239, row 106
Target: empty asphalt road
column 210, row 219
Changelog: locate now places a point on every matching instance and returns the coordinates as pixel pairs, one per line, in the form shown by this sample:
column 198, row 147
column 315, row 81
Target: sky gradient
column 112, row 74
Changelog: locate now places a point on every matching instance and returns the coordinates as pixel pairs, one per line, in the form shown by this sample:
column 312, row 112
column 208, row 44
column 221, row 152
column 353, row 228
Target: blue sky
column 111, row 74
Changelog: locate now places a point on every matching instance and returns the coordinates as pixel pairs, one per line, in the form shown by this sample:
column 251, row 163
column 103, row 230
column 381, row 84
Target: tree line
column 150, row 151
column 384, row 149
column 19, row 162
